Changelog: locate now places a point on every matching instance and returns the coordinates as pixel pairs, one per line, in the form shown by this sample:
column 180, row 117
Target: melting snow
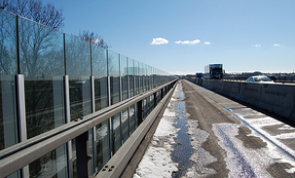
column 157, row 161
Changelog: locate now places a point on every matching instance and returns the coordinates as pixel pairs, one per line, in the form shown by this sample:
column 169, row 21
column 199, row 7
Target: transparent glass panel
column 53, row 164
column 146, row 77
column 132, row 118
column 151, row 103
column 8, row 68
column 158, row 96
column 116, row 132
column 8, row 62
column 102, row 144
column 142, row 77
column 91, row 151
column 99, row 71
column 154, row 78
column 124, row 76
column 78, row 70
column 149, row 73
column 16, row 174
column 74, row 158
column 136, row 78
column 148, row 105
column 135, row 116
column 139, row 75
column 125, row 124
column 144, row 107
column 8, row 112
column 131, row 77
column 114, row 73
column 42, row 64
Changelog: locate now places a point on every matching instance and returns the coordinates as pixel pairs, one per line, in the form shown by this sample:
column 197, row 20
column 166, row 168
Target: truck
column 199, row 75
column 213, row 71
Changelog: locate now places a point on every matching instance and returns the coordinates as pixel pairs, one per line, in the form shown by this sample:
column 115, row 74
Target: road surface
column 218, row 137
column 241, row 141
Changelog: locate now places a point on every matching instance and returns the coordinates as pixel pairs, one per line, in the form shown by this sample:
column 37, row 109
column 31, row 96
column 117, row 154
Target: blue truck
column 199, row 75
column 213, row 71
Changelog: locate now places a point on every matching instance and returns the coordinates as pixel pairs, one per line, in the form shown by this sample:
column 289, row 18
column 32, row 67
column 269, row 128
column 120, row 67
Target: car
column 259, row 79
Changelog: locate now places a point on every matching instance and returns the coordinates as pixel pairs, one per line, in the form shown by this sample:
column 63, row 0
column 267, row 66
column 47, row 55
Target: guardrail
column 116, row 165
column 20, row 155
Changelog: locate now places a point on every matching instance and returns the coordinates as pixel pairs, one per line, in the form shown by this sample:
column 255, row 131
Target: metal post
column 120, row 95
column 120, row 79
column 68, row 120
column 134, row 92
column 139, row 112
column 92, row 94
column 91, row 72
column 17, row 44
column 21, row 106
column 67, row 98
column 64, row 48
column 121, row 126
column 139, row 91
column 129, row 122
column 109, row 104
column 94, row 150
column 94, row 128
column 155, row 99
column 128, row 82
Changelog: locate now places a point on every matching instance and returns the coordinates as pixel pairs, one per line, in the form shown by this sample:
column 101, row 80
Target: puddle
column 182, row 149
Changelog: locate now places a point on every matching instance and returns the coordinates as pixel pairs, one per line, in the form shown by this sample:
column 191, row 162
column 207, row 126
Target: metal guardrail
column 119, row 161
column 21, row 154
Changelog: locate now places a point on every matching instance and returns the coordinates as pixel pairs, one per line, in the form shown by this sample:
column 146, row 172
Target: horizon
column 239, row 72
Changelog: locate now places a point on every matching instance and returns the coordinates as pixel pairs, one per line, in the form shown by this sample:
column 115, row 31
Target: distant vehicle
column 273, row 78
column 213, row 71
column 199, row 75
column 259, row 79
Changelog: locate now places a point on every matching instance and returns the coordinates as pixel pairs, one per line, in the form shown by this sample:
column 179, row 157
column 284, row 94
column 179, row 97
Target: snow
column 157, row 161
column 201, row 157
column 240, row 161
column 253, row 162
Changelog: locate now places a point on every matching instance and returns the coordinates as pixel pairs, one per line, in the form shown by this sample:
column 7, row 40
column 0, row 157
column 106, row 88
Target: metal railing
column 62, row 94
column 20, row 155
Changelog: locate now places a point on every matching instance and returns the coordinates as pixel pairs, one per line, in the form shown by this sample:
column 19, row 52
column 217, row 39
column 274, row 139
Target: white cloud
column 188, row 42
column 159, row 41
column 277, row 45
column 207, row 43
column 257, row 45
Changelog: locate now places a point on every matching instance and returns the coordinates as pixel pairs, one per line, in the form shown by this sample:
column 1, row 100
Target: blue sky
column 182, row 36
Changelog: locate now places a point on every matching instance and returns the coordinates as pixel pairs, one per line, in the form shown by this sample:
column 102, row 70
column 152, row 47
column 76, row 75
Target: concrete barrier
column 235, row 90
column 226, row 88
column 275, row 98
column 250, row 93
column 214, row 85
column 207, row 84
column 219, row 86
column 278, row 99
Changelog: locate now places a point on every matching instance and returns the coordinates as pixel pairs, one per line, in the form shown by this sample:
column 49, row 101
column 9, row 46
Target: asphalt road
column 239, row 141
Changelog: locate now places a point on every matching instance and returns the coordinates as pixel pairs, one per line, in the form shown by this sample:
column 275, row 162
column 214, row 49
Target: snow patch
column 201, row 157
column 157, row 161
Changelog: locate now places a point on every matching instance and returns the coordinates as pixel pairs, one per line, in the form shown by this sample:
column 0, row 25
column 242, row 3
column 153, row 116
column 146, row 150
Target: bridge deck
column 226, row 139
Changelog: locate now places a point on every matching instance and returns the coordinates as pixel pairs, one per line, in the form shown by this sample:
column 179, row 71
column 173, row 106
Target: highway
column 230, row 139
